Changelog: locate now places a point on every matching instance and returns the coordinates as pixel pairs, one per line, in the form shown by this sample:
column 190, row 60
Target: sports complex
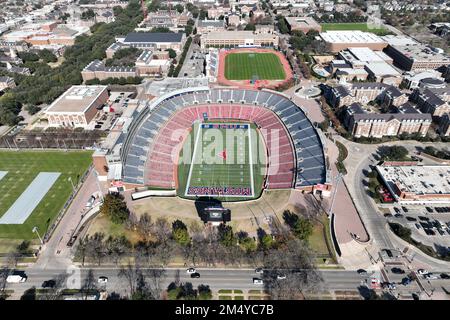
column 229, row 143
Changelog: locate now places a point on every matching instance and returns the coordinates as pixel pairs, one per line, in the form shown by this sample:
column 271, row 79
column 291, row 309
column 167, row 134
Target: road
column 216, row 278
column 360, row 158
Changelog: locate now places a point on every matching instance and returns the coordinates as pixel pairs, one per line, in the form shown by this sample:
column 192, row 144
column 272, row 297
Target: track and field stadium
column 225, row 143
column 253, row 68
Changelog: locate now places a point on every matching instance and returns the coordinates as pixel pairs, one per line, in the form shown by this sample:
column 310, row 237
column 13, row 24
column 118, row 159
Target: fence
column 61, row 213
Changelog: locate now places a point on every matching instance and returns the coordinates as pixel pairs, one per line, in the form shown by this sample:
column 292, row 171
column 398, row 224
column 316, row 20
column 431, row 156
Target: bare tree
column 162, row 230
column 131, row 274
column 145, row 226
column 89, row 284
column 296, row 261
column 95, row 248
column 55, row 292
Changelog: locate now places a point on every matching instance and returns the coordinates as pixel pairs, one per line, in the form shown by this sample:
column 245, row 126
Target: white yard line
column 251, row 159
column 193, row 160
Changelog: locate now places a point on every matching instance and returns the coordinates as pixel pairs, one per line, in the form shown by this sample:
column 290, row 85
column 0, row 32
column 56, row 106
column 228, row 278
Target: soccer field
column 22, row 168
column 227, row 161
column 249, row 65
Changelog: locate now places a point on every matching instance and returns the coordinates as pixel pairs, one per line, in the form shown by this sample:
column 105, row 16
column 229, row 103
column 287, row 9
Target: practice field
column 23, row 168
column 225, row 160
column 354, row 26
column 253, row 65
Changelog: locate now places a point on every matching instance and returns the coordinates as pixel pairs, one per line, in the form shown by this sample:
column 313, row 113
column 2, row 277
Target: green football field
column 226, row 163
column 249, row 65
column 363, row 26
column 23, row 167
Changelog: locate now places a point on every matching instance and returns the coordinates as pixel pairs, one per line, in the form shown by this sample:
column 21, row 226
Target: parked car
column 195, row 275
column 430, row 210
column 259, row 270
column 361, row 271
column 411, row 219
column 281, row 276
column 397, row 270
column 431, row 276
column 388, row 215
column 191, row 270
column 102, row 279
column 422, row 271
column 257, row 281
column 397, row 210
column 406, row 281
column 405, row 209
column 418, row 226
column 422, row 218
column 444, row 276
column 48, row 284
column 398, row 215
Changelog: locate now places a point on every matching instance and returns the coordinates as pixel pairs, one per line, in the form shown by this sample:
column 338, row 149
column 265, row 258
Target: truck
column 16, row 278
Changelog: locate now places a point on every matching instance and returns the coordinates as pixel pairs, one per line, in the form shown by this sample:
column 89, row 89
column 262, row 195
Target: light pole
column 73, row 186
column 35, row 230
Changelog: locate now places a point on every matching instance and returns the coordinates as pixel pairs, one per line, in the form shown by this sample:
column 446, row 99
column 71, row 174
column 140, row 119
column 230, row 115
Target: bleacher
column 151, row 145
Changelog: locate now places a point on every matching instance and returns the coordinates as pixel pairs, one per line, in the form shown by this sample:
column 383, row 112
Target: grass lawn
column 246, row 65
column 228, row 163
column 23, row 167
column 354, row 26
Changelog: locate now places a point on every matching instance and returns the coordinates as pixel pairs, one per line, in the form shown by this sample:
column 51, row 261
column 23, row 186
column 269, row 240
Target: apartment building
column 355, row 92
column 407, row 120
column 431, row 101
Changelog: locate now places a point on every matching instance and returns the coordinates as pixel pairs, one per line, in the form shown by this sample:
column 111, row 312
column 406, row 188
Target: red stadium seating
column 162, row 156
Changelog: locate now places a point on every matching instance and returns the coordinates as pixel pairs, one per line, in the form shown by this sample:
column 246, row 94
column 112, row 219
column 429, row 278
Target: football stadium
column 225, row 143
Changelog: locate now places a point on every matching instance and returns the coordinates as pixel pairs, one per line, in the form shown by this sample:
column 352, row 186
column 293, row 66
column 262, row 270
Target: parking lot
column 428, row 224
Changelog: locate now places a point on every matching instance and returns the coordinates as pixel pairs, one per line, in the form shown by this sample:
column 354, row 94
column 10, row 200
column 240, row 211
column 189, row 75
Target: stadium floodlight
column 35, row 230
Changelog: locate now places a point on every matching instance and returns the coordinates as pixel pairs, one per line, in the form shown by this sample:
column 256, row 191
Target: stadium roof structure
column 357, row 37
column 153, row 37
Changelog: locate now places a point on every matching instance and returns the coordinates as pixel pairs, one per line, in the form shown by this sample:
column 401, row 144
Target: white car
column 431, row 276
column 191, row 270
column 257, row 281
column 102, row 279
column 422, row 271
column 281, row 277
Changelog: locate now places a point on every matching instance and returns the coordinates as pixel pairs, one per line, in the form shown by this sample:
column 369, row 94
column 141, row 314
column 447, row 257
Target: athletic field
column 363, row 26
column 222, row 160
column 22, row 168
column 253, row 65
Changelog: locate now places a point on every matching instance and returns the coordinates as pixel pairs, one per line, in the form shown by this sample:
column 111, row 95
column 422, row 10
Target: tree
column 303, row 228
column 89, row 285
column 180, row 233
column 88, row 15
column 145, row 225
column 131, row 274
column 204, row 292
column 32, row 109
column 47, row 56
column 226, row 236
column 95, row 248
column 29, row 294
column 267, row 241
column 179, row 8
column 393, row 153
column 115, row 207
column 282, row 26
column 172, row 53
column 250, row 27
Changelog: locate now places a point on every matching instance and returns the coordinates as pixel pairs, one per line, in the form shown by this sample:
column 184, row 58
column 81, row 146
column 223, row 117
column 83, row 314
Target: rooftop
column 418, row 180
column 350, row 37
column 302, row 22
column 150, row 37
column 76, row 99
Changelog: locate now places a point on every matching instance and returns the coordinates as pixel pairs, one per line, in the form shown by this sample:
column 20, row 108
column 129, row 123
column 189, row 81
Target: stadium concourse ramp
column 148, row 150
